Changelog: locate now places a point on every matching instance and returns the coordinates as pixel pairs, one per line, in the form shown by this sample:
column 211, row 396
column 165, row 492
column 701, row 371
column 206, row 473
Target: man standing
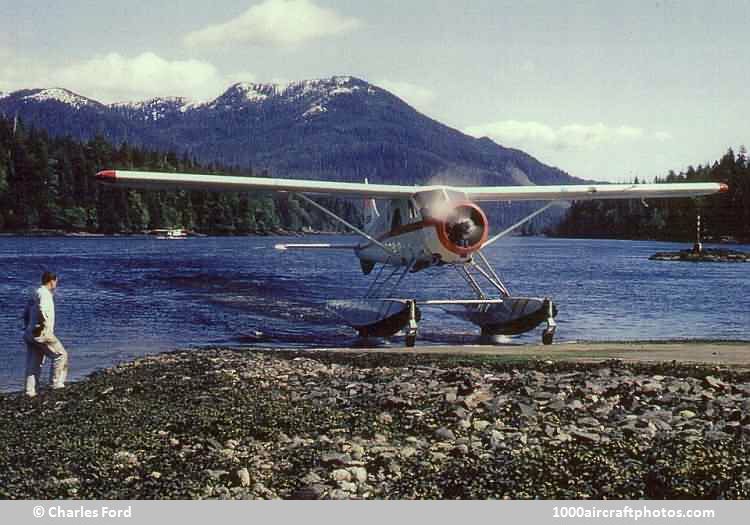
column 39, row 335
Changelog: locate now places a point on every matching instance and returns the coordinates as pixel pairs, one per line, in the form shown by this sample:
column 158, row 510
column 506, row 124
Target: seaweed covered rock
column 703, row 255
column 227, row 424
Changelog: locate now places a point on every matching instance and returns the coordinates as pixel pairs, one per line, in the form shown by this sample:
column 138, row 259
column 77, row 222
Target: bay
column 123, row 297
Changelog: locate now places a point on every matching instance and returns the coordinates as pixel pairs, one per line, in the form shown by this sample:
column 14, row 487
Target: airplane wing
column 593, row 191
column 166, row 181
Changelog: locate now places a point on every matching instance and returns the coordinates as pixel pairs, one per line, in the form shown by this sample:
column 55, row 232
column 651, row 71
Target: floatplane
column 410, row 228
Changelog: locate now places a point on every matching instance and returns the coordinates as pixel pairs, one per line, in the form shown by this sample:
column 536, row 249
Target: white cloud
column 417, row 96
column 114, row 77
column 279, row 23
column 572, row 136
column 15, row 71
column 142, row 76
column 663, row 136
column 528, row 66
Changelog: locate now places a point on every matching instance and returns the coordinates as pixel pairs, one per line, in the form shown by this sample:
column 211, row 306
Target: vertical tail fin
column 370, row 209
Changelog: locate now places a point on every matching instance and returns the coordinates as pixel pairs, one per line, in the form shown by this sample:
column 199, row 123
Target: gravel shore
column 222, row 423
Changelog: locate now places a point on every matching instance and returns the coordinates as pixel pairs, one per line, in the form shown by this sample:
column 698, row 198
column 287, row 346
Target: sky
column 605, row 90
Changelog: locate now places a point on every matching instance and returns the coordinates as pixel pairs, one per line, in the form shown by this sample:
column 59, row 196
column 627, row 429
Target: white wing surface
column 166, row 181
column 593, row 191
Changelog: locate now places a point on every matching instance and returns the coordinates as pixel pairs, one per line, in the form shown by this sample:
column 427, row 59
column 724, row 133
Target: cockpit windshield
column 433, row 202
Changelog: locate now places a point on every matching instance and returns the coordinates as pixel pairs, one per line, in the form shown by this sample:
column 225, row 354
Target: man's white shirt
column 43, row 309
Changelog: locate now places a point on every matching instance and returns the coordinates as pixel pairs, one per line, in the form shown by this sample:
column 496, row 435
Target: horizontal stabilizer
column 319, row 246
column 444, row 302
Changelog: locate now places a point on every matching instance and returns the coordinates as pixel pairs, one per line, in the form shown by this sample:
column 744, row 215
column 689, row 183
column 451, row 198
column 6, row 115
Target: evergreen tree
column 48, row 183
column 722, row 215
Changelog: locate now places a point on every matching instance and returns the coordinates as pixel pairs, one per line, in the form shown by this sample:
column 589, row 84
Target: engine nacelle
column 448, row 232
column 464, row 229
column 456, row 231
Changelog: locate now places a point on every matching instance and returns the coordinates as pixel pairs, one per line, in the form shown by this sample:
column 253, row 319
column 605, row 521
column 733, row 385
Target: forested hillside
column 340, row 128
column 722, row 216
column 47, row 183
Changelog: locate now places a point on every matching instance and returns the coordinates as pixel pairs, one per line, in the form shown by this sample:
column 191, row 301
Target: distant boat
column 169, row 233
column 728, row 239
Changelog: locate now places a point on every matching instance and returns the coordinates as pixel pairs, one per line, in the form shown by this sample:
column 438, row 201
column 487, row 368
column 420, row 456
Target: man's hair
column 48, row 276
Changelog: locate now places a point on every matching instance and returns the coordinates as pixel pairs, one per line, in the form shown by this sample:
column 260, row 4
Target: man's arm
column 46, row 309
column 27, row 314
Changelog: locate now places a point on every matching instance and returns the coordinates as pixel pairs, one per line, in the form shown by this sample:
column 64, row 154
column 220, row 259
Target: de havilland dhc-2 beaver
column 417, row 227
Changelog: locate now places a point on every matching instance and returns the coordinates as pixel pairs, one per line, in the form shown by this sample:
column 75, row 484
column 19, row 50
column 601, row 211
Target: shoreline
column 288, row 233
column 708, row 352
column 230, row 423
column 704, row 255
column 713, row 352
column 84, row 234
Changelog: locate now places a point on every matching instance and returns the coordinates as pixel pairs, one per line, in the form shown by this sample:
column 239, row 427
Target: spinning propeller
column 464, row 228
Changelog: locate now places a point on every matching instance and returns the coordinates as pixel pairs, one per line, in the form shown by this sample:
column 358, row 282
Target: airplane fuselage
column 430, row 228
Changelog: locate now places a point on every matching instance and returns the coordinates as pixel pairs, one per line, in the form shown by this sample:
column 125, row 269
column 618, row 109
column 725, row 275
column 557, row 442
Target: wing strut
column 523, row 221
column 345, row 223
column 491, row 270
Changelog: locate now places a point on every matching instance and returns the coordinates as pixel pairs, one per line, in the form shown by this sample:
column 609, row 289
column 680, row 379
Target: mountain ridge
column 337, row 128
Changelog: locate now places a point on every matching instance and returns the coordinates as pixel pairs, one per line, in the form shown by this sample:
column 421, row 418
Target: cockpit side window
column 412, row 210
column 454, row 195
column 428, row 199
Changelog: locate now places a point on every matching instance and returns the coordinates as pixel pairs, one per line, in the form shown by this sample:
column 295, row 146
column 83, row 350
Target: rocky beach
column 220, row 423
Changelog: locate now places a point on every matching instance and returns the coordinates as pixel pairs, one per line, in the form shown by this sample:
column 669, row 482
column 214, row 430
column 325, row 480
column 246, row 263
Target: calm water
column 120, row 298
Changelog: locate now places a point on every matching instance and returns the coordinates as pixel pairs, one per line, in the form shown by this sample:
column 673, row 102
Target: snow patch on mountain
column 155, row 109
column 60, row 95
column 314, row 110
column 315, row 97
column 149, row 103
column 327, row 86
column 189, row 106
column 242, row 93
column 343, row 91
column 253, row 92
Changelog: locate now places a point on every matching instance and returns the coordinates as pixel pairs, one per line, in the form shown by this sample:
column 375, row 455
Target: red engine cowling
column 464, row 229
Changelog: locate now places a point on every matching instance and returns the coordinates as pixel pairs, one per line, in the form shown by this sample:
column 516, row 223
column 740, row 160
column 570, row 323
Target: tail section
column 370, row 209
